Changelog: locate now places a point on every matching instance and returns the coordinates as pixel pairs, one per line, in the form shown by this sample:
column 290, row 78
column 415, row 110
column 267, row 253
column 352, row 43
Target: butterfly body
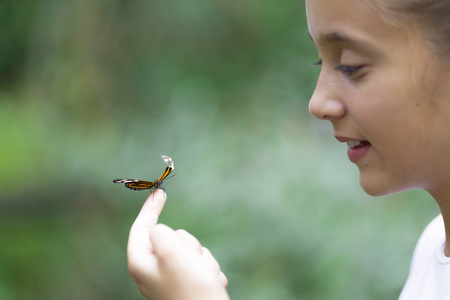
column 140, row 185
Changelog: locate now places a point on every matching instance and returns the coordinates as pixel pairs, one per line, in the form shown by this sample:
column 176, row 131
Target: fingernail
column 163, row 193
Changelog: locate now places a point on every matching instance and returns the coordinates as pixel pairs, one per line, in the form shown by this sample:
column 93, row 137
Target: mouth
column 357, row 144
column 357, row 149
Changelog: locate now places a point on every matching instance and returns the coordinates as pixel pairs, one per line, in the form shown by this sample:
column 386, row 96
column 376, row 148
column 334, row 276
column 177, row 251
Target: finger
column 165, row 242
column 189, row 239
column 213, row 264
column 223, row 279
column 210, row 260
column 174, row 253
column 139, row 246
column 170, row 249
column 150, row 211
column 164, row 239
column 147, row 217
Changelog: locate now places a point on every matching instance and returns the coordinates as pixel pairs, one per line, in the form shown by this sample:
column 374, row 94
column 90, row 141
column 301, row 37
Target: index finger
column 150, row 211
column 139, row 247
column 146, row 220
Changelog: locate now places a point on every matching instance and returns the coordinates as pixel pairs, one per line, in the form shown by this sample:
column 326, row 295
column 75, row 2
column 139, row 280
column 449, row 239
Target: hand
column 168, row 264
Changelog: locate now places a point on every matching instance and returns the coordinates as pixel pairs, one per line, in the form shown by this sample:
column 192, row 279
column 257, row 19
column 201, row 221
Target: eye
column 349, row 70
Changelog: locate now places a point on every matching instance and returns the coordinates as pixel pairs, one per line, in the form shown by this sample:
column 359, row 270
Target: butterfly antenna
column 172, row 176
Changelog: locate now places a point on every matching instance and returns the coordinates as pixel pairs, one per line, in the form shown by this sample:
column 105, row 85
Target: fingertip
column 157, row 198
column 161, row 193
column 158, row 195
column 151, row 209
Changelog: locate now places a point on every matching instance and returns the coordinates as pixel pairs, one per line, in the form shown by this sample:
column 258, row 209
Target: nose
column 326, row 103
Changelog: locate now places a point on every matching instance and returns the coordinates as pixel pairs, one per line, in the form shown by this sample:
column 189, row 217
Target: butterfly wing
column 166, row 173
column 140, row 185
column 123, row 180
column 168, row 160
column 135, row 184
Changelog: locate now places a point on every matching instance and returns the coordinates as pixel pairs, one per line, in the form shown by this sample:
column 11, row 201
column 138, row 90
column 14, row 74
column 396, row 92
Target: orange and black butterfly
column 140, row 185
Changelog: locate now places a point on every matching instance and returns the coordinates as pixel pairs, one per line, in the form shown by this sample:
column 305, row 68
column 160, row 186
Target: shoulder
column 434, row 230
column 429, row 271
column 432, row 237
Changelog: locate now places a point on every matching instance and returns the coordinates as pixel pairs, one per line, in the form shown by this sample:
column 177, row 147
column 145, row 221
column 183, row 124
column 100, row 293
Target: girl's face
column 386, row 94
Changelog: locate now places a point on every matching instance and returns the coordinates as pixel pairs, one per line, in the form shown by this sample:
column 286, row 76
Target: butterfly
column 140, row 185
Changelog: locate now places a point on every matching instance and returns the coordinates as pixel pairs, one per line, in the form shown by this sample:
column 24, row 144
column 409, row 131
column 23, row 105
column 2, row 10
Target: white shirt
column 429, row 275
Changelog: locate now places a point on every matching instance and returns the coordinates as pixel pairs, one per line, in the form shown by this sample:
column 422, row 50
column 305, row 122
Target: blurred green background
column 93, row 90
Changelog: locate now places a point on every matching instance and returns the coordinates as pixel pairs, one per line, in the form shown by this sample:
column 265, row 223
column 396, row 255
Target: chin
column 375, row 192
column 380, row 186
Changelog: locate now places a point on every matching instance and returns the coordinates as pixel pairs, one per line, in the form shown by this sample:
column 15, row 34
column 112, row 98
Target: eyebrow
column 338, row 39
column 333, row 37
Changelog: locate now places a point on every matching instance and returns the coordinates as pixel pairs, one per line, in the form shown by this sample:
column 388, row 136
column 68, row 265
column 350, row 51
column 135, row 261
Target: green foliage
column 97, row 90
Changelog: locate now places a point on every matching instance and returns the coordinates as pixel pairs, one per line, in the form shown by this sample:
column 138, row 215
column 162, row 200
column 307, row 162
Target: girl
column 385, row 87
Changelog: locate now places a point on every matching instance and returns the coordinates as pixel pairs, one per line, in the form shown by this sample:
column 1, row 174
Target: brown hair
column 433, row 17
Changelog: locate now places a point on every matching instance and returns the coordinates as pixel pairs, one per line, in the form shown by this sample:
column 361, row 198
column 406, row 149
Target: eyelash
column 318, row 63
column 346, row 70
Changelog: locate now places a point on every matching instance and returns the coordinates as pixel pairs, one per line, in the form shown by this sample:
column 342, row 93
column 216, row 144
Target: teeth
column 352, row 144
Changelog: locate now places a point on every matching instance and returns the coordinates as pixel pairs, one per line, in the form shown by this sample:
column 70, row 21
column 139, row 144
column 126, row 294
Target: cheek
column 397, row 114
column 386, row 113
column 401, row 158
column 392, row 168
column 399, row 150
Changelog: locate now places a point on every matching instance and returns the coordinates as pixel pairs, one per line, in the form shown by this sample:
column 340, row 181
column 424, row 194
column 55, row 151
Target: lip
column 344, row 139
column 356, row 153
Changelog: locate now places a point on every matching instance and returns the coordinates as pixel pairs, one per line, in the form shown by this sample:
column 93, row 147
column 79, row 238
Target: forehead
column 360, row 19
